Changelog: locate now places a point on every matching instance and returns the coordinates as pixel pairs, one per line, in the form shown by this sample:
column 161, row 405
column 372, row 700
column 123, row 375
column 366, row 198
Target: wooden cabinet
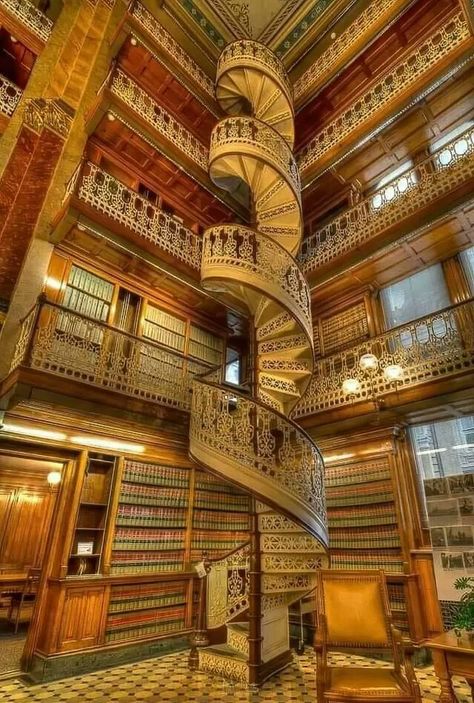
column 82, row 621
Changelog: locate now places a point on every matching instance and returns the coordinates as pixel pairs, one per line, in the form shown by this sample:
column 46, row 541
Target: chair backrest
column 355, row 608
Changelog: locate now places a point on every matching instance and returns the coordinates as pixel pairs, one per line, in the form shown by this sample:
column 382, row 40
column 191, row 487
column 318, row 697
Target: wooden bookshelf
column 91, row 519
column 220, row 517
column 151, row 519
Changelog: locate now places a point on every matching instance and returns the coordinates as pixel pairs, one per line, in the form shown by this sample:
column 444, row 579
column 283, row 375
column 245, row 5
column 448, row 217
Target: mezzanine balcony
column 27, row 16
column 438, row 183
column 94, row 195
column 435, row 353
column 64, row 351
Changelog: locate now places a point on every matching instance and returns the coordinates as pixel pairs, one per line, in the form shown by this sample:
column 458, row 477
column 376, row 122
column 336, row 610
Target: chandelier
column 369, row 365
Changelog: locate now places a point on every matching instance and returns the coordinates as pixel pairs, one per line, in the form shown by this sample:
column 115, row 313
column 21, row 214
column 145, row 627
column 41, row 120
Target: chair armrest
column 403, row 653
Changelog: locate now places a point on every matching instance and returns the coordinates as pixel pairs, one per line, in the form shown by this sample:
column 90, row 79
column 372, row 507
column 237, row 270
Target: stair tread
column 238, row 626
column 225, row 650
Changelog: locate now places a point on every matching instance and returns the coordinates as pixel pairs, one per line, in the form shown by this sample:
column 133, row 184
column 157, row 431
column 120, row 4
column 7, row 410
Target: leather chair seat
column 363, row 682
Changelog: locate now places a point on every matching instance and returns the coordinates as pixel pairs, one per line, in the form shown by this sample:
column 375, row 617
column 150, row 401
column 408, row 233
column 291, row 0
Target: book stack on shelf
column 220, row 517
column 205, row 346
column 363, row 527
column 88, row 539
column 398, row 606
column 164, row 328
column 141, row 610
column 150, row 530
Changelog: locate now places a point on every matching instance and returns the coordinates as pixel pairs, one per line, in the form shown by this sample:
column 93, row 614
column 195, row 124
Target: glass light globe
column 394, row 372
column 351, row 386
column 53, row 478
column 368, row 362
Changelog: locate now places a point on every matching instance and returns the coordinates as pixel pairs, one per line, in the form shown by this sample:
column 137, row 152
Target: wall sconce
column 53, row 478
column 369, row 364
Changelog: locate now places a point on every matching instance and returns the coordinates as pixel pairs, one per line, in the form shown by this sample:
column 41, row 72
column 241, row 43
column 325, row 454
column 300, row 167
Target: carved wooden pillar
column 255, row 601
column 200, row 637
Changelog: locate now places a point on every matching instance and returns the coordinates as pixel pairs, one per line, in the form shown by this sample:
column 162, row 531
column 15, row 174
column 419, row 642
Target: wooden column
column 255, row 601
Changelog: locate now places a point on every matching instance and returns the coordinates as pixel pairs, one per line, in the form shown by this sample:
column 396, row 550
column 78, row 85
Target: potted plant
column 464, row 618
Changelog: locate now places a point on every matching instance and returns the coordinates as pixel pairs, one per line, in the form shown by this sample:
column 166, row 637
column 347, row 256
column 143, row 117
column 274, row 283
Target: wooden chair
column 24, row 600
column 353, row 612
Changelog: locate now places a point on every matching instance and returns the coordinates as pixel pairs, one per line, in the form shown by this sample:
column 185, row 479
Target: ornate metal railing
column 261, row 261
column 433, row 347
column 166, row 42
column 444, row 170
column 29, row 15
column 106, row 194
column 243, row 52
column 10, row 95
column 259, row 138
column 65, row 343
column 160, row 119
column 264, row 444
column 434, row 50
column 333, row 57
column 228, row 587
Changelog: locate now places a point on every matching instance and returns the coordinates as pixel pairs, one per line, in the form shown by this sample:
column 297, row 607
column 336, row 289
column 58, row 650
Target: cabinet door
column 83, row 617
column 7, row 496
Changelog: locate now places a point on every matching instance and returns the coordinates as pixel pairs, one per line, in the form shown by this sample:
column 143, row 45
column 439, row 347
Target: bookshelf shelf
column 88, row 538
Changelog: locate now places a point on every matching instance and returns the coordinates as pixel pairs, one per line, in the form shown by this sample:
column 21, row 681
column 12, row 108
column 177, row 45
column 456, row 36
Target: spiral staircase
column 251, row 440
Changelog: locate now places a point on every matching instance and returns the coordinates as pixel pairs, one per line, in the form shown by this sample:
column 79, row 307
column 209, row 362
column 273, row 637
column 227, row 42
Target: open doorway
column 28, row 495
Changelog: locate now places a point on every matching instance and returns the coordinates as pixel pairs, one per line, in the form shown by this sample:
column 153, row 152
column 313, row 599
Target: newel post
column 200, row 637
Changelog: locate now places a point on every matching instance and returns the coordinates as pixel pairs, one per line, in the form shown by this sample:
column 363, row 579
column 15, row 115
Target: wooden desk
column 452, row 656
column 12, row 581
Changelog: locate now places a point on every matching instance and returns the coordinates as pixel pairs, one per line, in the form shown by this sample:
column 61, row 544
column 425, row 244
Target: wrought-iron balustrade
column 106, row 194
column 10, row 95
column 443, row 171
column 432, row 347
column 60, row 341
column 29, row 15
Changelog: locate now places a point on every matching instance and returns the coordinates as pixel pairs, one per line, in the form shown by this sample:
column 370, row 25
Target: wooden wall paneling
column 456, row 280
column 83, row 617
column 28, row 527
column 426, row 583
column 47, row 613
column 7, row 497
column 58, row 273
column 111, row 516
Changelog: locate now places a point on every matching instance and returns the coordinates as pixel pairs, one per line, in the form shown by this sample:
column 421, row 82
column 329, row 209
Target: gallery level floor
column 168, row 680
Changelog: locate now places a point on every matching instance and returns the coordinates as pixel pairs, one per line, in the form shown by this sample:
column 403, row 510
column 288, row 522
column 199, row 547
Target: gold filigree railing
column 160, row 119
column 261, row 447
column 261, row 140
column 10, row 95
column 170, row 46
column 228, row 587
column 433, row 347
column 443, row 171
column 434, row 50
column 26, row 13
column 261, row 262
column 256, row 56
column 59, row 341
column 97, row 188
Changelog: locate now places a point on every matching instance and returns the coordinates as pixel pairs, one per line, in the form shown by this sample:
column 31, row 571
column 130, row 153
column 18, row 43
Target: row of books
column 209, row 520
column 153, row 495
column 365, row 494
column 90, row 283
column 142, row 596
column 146, row 562
column 346, row 475
column 119, row 627
column 151, row 602
column 140, row 472
column 85, row 305
column 221, row 541
column 208, row 482
column 151, row 516
column 367, row 560
column 140, row 539
column 218, row 502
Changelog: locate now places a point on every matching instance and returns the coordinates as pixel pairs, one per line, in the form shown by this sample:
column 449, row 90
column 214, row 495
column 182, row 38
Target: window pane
column 467, row 260
column 232, row 367
column 416, row 296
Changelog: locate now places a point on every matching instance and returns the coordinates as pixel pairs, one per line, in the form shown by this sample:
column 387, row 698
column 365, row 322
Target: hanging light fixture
column 368, row 364
column 351, row 386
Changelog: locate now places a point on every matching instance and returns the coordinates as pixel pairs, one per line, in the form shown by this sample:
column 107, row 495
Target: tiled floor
column 168, row 680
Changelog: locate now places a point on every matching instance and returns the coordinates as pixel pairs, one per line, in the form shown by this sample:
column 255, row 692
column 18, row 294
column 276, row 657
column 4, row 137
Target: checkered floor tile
column 168, row 680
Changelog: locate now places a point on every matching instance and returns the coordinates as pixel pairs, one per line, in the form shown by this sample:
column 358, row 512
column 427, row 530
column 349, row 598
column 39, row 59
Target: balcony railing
column 157, row 117
column 430, row 348
column 438, row 175
column 59, row 341
column 107, row 195
column 10, row 95
column 29, row 15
